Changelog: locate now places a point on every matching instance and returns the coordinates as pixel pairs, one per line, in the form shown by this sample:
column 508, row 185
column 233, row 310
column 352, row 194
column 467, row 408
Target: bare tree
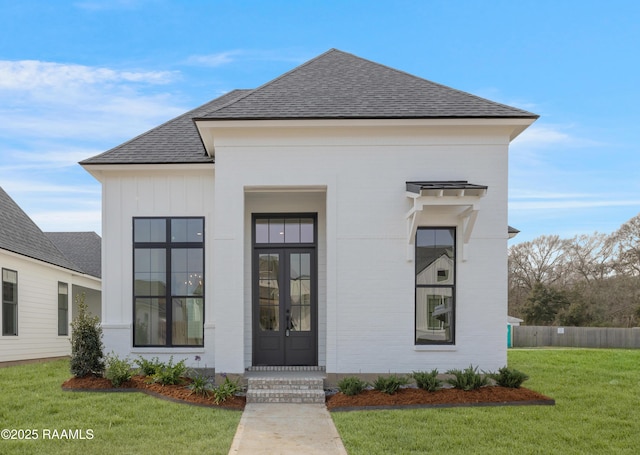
column 628, row 241
column 590, row 257
column 542, row 260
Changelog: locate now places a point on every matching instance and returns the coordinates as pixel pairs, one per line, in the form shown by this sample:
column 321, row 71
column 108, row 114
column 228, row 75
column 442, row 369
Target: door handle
column 288, row 326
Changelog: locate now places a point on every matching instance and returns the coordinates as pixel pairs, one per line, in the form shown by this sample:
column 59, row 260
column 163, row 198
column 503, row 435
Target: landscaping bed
column 409, row 397
column 418, row 398
column 177, row 392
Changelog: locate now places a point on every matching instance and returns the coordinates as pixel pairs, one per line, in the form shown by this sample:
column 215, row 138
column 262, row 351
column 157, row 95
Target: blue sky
column 80, row 77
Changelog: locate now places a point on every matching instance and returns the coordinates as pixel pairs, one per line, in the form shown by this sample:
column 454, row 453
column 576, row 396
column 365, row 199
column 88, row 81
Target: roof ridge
column 274, row 80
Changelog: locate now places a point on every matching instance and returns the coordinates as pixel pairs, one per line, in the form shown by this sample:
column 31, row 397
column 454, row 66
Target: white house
column 41, row 275
column 294, row 224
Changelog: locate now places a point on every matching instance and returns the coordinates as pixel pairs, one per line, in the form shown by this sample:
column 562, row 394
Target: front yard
column 31, row 400
column 597, row 410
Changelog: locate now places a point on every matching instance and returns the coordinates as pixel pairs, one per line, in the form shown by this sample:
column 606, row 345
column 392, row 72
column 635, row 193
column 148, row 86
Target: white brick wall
column 354, row 177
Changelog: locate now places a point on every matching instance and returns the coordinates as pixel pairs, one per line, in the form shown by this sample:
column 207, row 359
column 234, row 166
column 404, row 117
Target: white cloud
column 555, row 204
column 213, row 60
column 54, row 100
column 68, row 221
column 29, row 75
column 227, row 57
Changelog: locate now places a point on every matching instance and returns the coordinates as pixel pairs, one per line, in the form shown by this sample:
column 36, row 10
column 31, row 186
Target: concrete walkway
column 283, row 429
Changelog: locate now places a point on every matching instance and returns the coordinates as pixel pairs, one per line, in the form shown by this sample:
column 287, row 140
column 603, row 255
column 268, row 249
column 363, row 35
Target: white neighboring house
column 290, row 225
column 41, row 275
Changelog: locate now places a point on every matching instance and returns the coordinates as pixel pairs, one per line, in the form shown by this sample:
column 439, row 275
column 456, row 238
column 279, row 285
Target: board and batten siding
column 164, row 191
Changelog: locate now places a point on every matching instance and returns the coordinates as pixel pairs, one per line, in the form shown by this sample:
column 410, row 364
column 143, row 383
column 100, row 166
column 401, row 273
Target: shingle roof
column 176, row 141
column 84, row 249
column 334, row 85
column 341, row 85
column 20, row 235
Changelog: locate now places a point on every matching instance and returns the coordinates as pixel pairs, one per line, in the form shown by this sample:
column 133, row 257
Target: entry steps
column 285, row 385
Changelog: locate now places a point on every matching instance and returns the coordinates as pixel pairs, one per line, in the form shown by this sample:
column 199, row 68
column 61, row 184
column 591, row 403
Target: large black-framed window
column 435, row 285
column 9, row 302
column 168, row 290
column 63, row 309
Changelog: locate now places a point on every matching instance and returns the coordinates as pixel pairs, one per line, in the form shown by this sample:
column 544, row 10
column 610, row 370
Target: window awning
column 457, row 195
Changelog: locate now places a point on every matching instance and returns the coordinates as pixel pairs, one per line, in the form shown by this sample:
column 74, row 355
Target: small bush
column 148, row 367
column 200, row 385
column 507, row 377
column 170, row 374
column 427, row 381
column 86, row 342
column 117, row 370
column 225, row 390
column 352, row 385
column 467, row 379
column 390, row 384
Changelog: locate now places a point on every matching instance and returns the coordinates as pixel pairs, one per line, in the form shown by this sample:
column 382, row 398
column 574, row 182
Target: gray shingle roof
column 176, row 141
column 20, row 235
column 84, row 249
column 341, row 85
column 334, row 85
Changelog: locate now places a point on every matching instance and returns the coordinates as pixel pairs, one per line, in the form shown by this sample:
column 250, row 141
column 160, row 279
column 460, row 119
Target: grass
column 596, row 391
column 31, row 398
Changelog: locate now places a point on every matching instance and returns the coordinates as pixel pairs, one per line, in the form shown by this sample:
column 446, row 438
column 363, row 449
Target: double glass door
column 284, row 306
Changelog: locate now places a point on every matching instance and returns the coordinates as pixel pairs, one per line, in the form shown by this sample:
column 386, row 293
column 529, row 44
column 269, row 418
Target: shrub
column 507, row 377
column 148, row 367
column 200, row 385
column 86, row 342
column 117, row 370
column 225, row 390
column 352, row 385
column 170, row 374
column 427, row 381
column 390, row 384
column 467, row 379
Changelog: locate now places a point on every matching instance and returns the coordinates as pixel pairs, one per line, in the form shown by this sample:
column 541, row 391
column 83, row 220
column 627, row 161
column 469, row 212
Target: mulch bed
column 177, row 393
column 417, row 398
column 369, row 399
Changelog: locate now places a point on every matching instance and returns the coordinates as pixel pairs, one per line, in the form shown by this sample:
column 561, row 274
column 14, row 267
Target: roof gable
column 19, row 234
column 338, row 85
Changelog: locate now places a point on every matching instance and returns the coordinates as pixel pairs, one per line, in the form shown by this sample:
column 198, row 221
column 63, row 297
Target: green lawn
column 31, row 399
column 597, row 411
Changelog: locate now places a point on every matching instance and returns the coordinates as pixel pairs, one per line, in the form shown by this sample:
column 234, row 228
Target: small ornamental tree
column 86, row 342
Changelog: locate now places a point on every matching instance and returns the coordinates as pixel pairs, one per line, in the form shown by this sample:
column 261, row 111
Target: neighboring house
column 291, row 225
column 41, row 275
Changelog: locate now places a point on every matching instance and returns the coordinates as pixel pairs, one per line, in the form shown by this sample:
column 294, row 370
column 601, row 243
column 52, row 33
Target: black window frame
column 14, row 303
column 167, row 245
column 63, row 313
column 437, row 285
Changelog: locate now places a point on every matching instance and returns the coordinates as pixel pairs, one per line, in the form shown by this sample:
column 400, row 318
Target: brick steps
column 285, row 386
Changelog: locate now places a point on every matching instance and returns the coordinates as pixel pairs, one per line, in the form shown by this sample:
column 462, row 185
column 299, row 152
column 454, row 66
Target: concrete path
column 283, row 429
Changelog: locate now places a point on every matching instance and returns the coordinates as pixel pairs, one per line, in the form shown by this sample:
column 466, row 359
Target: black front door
column 284, row 286
column 284, row 306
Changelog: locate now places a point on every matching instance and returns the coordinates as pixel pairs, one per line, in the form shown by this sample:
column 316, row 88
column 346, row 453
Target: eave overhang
column 207, row 128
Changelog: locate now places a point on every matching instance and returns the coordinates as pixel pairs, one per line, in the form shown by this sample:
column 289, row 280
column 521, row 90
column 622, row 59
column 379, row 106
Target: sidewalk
column 283, row 429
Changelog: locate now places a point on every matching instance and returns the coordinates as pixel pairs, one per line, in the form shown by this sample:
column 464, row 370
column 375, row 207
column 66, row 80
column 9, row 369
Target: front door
column 284, row 302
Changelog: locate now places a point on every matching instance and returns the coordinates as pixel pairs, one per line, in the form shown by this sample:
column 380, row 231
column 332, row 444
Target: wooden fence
column 578, row 337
